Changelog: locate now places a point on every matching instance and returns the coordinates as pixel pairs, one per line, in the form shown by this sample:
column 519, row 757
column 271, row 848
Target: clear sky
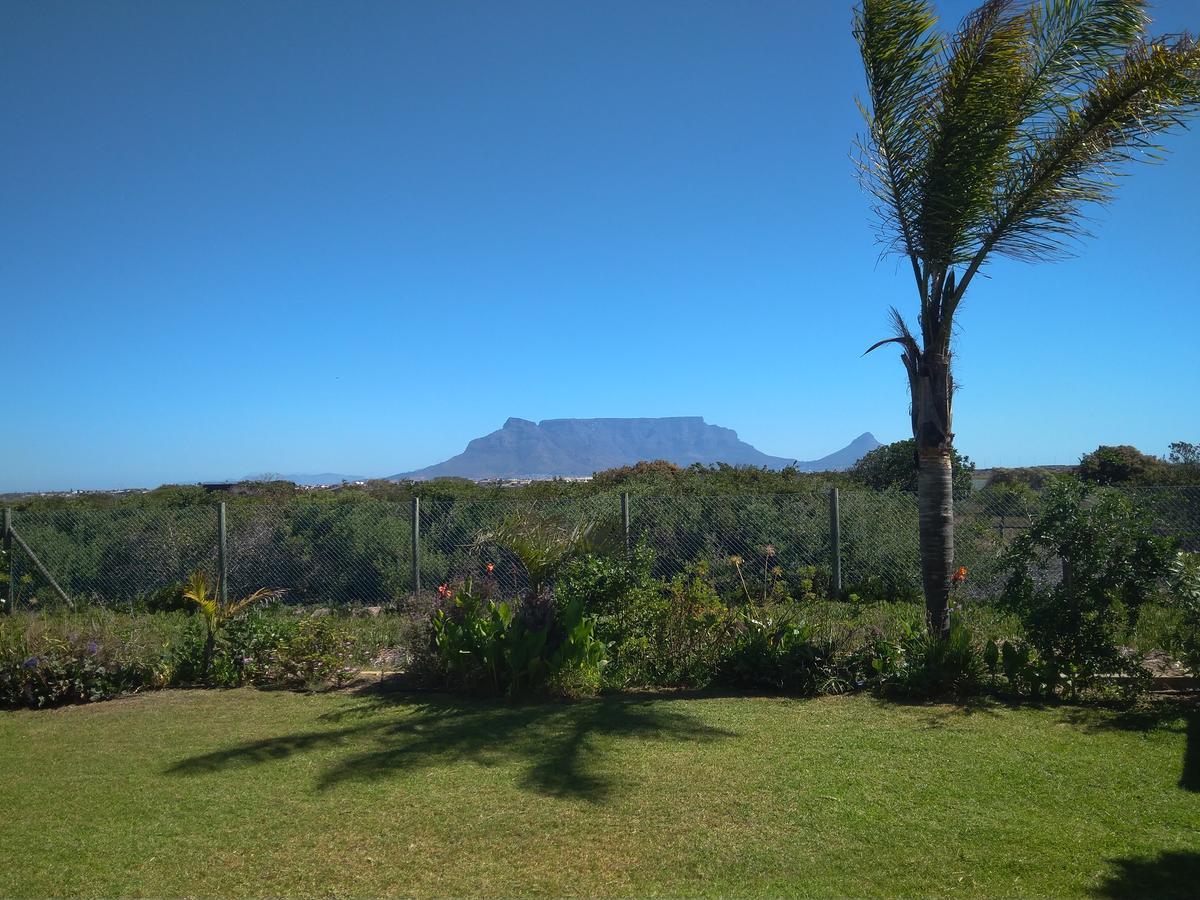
column 306, row 237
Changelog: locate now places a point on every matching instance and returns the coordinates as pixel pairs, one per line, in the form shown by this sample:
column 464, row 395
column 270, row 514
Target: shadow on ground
column 1170, row 874
column 1181, row 715
column 388, row 733
column 937, row 714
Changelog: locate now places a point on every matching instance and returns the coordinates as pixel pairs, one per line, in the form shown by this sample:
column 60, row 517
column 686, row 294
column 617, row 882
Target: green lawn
column 246, row 792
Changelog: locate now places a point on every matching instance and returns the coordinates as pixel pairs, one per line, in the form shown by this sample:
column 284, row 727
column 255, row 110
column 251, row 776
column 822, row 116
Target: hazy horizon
column 351, row 474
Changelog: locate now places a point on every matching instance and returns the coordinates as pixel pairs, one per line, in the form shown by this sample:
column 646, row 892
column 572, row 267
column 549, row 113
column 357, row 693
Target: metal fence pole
column 835, row 542
column 625, row 517
column 416, row 543
column 8, row 557
column 39, row 565
column 222, row 556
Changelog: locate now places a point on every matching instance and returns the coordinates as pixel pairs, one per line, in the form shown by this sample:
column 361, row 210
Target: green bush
column 76, row 658
column 774, row 652
column 673, row 633
column 273, row 647
column 48, row 659
column 1185, row 590
column 169, row 598
column 1111, row 563
column 894, row 466
column 915, row 664
column 1118, row 465
column 937, row 666
column 313, row 653
column 515, row 647
column 603, row 582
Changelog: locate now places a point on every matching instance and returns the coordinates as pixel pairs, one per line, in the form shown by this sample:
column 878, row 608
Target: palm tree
column 995, row 141
column 218, row 610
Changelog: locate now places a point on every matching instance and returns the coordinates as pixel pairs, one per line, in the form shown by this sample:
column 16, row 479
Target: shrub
column 1185, row 588
column 51, row 659
column 169, row 598
column 314, row 653
column 515, row 647
column 895, row 466
column 544, row 544
column 1118, row 465
column 270, row 647
column 1110, row 562
column 671, row 634
column 76, row 658
column 940, row 666
column 604, row 582
column 665, row 633
column 916, row 664
column 774, row 652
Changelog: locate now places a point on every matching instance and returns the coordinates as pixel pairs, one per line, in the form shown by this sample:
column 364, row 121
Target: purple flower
column 31, row 662
column 92, row 647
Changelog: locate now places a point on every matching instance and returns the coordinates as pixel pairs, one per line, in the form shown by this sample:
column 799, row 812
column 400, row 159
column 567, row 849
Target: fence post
column 835, row 542
column 11, row 598
column 625, row 517
column 416, row 544
column 222, row 556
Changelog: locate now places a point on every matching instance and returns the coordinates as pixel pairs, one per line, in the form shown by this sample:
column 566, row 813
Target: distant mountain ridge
column 579, row 447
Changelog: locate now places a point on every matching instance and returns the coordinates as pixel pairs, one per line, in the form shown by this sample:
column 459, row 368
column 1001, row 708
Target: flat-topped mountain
column 579, row 447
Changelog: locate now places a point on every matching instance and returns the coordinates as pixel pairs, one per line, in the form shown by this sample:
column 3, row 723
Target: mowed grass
column 270, row 793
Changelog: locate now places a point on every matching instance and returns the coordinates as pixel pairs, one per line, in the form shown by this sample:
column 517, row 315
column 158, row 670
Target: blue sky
column 297, row 237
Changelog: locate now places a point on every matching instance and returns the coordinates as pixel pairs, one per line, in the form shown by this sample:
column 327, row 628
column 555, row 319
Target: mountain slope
column 578, row 447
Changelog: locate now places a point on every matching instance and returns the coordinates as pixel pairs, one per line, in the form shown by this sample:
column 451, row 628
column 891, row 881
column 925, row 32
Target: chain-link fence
column 353, row 549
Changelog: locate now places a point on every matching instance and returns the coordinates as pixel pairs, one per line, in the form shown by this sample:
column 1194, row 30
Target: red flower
column 444, row 590
column 960, row 576
column 491, row 567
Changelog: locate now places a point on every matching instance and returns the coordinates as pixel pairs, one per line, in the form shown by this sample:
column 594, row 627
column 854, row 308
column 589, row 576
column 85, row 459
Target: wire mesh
column 320, row 552
column 358, row 550
column 749, row 543
column 111, row 555
column 454, row 545
column 1174, row 512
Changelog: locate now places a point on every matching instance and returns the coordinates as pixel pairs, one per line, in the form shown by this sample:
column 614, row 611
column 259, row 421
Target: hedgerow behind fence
column 355, row 549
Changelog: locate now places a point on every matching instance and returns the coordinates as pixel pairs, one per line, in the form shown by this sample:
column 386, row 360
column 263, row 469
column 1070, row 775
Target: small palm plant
column 544, row 543
column 218, row 611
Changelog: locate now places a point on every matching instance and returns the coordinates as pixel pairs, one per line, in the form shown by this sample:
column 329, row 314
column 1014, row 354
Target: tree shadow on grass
column 1173, row 873
column 1180, row 716
column 560, row 745
column 943, row 713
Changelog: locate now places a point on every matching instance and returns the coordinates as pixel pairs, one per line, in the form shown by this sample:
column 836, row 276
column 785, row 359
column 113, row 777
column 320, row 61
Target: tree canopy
column 895, row 466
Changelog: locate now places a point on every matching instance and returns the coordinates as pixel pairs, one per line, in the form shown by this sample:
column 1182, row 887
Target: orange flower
column 444, row 590
column 960, row 576
column 491, row 567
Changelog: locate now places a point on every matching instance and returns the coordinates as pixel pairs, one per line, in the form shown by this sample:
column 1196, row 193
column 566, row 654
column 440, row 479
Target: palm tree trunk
column 932, row 393
column 935, row 502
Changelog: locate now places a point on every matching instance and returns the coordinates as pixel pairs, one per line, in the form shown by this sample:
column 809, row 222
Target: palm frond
column 1040, row 207
column 975, row 121
column 197, row 591
column 544, row 543
column 1072, row 42
column 902, row 336
column 234, row 607
column 1003, row 138
column 900, row 49
column 209, row 600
